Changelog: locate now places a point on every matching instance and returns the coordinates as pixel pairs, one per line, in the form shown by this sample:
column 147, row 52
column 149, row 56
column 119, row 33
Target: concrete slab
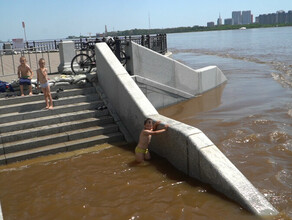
column 217, row 170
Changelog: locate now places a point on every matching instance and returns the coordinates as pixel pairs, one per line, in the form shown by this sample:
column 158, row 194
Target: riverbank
column 191, row 29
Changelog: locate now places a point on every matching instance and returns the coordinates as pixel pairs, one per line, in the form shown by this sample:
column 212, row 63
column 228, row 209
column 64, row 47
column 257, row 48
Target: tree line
column 186, row 29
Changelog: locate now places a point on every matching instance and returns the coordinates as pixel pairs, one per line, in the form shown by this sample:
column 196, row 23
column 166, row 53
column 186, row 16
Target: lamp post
column 23, row 25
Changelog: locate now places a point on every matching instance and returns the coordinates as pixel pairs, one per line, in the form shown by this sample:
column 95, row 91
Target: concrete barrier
column 149, row 66
column 184, row 146
column 1, row 215
column 67, row 52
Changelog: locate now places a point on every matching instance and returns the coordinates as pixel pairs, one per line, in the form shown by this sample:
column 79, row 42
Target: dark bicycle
column 84, row 62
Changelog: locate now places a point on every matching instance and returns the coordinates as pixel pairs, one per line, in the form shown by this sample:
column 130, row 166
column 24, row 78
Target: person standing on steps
column 25, row 75
column 42, row 78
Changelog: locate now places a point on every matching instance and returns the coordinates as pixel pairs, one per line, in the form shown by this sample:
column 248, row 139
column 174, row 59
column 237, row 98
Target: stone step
column 36, row 142
column 61, row 147
column 38, row 97
column 62, row 124
column 78, row 120
column 40, row 104
column 64, row 86
column 16, row 116
column 49, row 120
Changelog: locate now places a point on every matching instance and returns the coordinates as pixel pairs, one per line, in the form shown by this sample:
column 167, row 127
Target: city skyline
column 56, row 19
column 246, row 17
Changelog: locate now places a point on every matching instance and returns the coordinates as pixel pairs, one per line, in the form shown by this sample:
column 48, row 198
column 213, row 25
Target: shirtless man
column 42, row 78
column 25, row 75
column 141, row 151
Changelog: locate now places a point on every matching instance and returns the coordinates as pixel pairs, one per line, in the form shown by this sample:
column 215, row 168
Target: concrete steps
column 28, row 130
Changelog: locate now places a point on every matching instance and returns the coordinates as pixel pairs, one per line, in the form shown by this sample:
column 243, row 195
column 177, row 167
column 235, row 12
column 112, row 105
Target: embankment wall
column 166, row 81
column 184, row 146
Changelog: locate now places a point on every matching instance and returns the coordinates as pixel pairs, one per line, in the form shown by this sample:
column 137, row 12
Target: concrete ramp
column 184, row 146
column 166, row 81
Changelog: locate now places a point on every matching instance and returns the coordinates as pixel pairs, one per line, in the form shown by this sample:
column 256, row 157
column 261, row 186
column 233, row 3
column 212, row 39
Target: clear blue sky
column 54, row 19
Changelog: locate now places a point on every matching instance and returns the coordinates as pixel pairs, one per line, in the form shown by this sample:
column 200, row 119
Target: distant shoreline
column 167, row 31
column 183, row 30
column 191, row 29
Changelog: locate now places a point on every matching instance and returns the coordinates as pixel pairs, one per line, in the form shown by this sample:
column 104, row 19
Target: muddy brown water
column 105, row 183
column 249, row 119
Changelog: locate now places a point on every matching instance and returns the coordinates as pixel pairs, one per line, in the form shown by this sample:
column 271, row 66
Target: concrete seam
column 207, row 146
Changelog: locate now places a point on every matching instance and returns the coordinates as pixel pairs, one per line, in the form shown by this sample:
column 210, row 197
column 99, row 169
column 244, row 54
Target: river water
column 249, row 118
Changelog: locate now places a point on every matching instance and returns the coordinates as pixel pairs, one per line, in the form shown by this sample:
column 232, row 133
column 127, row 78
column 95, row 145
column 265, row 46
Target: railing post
column 165, row 43
column 148, row 40
column 142, row 40
column 118, row 48
column 161, row 43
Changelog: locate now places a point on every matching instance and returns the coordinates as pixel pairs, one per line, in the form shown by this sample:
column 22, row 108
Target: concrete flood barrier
column 166, row 81
column 1, row 215
column 184, row 146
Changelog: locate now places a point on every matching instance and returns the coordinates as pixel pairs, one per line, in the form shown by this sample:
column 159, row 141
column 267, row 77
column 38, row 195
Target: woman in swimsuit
column 141, row 151
column 42, row 78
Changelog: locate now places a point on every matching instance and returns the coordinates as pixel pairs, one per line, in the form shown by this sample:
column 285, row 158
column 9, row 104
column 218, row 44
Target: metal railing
column 34, row 50
column 157, row 42
column 9, row 59
column 43, row 45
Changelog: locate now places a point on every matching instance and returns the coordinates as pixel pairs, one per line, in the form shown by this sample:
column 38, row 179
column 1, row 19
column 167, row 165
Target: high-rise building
column 275, row 18
column 228, row 21
column 210, row 24
column 236, row 17
column 246, row 17
column 281, row 17
column 219, row 20
column 268, row 19
column 289, row 17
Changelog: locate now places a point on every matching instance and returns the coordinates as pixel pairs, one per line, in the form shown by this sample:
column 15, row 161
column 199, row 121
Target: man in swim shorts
column 25, row 75
column 141, row 151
